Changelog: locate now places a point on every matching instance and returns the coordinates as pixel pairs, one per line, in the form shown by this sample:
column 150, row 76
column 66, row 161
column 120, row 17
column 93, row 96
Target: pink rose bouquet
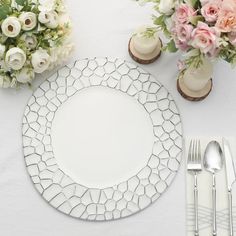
column 200, row 28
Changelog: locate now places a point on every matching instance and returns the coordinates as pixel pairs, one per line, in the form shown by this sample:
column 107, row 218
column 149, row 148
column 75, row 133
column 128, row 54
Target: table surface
column 103, row 28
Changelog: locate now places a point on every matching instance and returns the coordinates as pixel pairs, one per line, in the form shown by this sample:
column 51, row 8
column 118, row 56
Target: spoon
column 213, row 162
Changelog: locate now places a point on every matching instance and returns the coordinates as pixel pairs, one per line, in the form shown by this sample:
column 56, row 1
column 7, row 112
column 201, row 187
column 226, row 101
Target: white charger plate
column 102, row 139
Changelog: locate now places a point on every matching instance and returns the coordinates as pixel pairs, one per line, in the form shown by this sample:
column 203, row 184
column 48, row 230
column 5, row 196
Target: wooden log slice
column 143, row 58
column 190, row 95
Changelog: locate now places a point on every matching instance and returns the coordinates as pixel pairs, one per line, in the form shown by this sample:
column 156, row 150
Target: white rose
column 167, row 6
column 5, row 81
column 11, row 27
column 28, row 20
column 47, row 5
column 2, row 50
column 30, row 40
column 53, row 20
column 25, row 75
column 43, row 17
column 40, row 60
column 15, row 58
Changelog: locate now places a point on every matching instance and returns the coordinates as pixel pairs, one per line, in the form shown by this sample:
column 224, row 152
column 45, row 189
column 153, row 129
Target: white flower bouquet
column 34, row 37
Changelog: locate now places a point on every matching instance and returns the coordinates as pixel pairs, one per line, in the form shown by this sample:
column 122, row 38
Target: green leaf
column 5, row 10
column 171, row 46
column 194, row 20
column 21, row 2
column 159, row 20
column 193, row 3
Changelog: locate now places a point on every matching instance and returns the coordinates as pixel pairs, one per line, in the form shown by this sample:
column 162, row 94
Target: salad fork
column 194, row 167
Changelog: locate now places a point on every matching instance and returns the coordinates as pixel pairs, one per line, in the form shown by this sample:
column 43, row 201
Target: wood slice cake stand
column 191, row 95
column 144, row 58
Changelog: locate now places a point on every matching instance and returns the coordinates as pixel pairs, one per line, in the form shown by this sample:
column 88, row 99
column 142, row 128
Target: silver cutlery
column 231, row 178
column 213, row 162
column 194, row 166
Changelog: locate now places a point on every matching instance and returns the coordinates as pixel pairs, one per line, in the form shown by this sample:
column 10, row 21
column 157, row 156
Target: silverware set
column 213, row 161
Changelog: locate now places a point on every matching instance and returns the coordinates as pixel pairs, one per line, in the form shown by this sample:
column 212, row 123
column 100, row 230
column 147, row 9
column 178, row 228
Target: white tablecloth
column 103, row 28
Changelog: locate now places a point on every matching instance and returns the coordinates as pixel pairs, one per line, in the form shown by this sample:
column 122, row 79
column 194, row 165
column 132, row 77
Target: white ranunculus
column 30, row 40
column 43, row 17
column 53, row 20
column 47, row 5
column 64, row 18
column 60, row 54
column 5, row 81
column 2, row 50
column 15, row 58
column 11, row 27
column 40, row 60
column 167, row 6
column 25, row 75
column 28, row 20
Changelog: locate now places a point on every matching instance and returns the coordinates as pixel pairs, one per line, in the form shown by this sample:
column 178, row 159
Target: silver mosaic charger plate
column 124, row 198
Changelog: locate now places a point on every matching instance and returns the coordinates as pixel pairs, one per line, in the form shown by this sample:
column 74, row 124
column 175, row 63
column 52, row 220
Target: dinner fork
column 194, row 167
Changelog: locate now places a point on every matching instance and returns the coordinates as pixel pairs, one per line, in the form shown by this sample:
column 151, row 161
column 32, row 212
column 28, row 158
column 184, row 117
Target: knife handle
column 231, row 229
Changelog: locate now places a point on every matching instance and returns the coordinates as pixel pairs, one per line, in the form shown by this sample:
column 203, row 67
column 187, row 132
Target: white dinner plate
column 102, row 139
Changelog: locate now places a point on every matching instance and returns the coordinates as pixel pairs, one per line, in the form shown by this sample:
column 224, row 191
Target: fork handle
column 196, row 231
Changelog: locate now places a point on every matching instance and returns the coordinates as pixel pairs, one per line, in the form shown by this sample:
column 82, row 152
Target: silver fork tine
column 194, row 167
column 194, row 150
column 190, row 152
column 199, row 152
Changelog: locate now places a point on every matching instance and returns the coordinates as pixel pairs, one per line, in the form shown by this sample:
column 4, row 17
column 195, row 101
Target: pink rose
column 182, row 36
column 227, row 16
column 205, row 38
column 181, row 45
column 211, row 10
column 183, row 32
column 232, row 38
column 184, row 13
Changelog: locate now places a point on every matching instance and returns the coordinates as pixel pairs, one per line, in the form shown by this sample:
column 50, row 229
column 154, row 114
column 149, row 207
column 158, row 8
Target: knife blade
column 229, row 164
column 231, row 178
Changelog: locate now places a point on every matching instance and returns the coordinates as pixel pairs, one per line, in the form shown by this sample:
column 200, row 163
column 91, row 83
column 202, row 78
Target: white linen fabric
column 102, row 28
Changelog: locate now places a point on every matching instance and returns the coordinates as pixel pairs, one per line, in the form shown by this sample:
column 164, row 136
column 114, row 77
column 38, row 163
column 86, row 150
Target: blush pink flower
column 210, row 10
column 205, row 38
column 183, row 46
column 232, row 38
column 184, row 13
column 227, row 16
column 183, row 32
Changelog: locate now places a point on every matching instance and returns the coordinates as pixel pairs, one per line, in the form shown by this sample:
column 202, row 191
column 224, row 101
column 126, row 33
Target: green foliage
column 5, row 10
column 195, row 59
column 150, row 32
column 21, row 2
column 171, row 47
column 160, row 22
column 195, row 19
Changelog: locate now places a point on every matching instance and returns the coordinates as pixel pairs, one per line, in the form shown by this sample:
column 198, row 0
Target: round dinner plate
column 102, row 139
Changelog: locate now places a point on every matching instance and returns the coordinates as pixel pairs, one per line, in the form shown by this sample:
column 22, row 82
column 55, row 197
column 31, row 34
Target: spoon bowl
column 213, row 157
column 213, row 162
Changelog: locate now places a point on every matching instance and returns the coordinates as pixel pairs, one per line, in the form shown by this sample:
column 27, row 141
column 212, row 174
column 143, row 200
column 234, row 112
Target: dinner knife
column 231, row 178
